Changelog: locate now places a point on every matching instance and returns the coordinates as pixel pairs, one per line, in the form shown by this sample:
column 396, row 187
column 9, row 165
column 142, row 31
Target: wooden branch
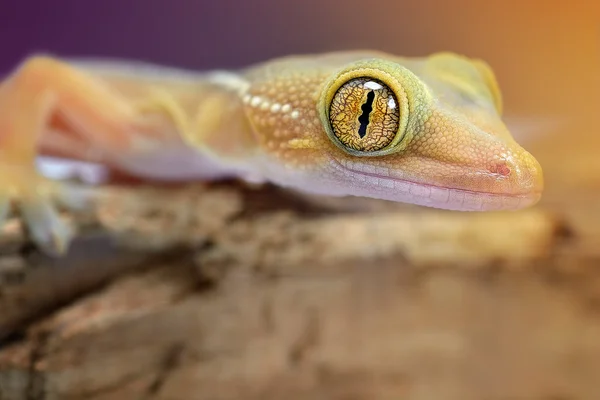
column 222, row 293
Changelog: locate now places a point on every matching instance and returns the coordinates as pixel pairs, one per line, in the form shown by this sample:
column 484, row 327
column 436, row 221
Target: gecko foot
column 37, row 202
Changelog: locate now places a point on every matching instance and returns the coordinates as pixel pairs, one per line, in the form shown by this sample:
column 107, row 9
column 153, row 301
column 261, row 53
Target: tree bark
column 227, row 293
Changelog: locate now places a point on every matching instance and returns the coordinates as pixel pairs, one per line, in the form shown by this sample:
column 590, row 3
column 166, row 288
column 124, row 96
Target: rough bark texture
column 228, row 293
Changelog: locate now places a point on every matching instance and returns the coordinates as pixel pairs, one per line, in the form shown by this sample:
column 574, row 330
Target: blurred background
column 546, row 55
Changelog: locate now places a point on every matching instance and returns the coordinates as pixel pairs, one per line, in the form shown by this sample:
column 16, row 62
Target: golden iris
column 364, row 114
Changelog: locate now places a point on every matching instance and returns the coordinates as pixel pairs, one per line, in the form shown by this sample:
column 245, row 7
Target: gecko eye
column 364, row 114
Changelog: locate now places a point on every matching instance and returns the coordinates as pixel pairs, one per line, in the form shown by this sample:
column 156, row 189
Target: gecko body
column 426, row 131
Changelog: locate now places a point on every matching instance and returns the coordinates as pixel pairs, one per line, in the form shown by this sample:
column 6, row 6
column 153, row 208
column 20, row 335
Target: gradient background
column 545, row 53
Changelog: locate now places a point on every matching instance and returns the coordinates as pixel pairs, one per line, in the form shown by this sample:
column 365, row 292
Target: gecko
column 419, row 130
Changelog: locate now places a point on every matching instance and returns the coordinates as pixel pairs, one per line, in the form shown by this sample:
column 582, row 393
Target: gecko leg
column 39, row 90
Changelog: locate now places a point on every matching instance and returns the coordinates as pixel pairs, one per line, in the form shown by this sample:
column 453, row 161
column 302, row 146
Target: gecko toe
column 47, row 229
column 41, row 219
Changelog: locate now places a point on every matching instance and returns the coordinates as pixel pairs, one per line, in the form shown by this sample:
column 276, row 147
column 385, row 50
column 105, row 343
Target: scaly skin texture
column 452, row 149
column 424, row 131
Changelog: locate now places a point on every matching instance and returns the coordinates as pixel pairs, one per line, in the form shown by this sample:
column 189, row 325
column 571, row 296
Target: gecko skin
column 426, row 131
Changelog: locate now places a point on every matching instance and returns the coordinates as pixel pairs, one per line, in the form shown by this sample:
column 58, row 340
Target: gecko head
column 429, row 135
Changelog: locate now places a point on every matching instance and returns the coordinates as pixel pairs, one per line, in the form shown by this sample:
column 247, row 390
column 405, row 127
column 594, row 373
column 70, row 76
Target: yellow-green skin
column 451, row 151
column 438, row 141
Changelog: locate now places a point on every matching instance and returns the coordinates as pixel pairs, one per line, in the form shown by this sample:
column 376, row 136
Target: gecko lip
column 396, row 189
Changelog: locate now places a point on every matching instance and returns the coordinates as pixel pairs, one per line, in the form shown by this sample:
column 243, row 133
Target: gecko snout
column 526, row 174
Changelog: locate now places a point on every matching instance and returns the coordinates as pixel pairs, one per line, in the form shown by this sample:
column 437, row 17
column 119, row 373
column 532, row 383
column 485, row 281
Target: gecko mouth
column 396, row 189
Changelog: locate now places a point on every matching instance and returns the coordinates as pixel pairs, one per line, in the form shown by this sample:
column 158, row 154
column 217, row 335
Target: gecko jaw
column 373, row 185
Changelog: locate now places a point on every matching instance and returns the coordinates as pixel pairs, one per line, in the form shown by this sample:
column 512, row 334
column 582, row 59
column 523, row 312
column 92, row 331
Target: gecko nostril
column 500, row 168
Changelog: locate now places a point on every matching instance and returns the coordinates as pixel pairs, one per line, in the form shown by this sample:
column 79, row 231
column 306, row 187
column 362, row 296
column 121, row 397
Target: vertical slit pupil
column 366, row 108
